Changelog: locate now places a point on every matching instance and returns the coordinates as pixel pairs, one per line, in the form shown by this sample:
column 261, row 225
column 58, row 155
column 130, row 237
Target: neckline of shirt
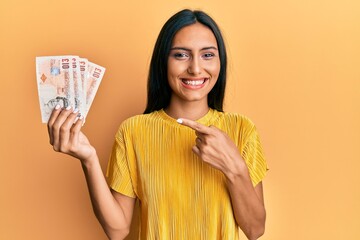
column 203, row 120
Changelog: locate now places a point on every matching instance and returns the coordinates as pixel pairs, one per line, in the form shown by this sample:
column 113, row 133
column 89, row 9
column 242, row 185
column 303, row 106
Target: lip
column 194, row 87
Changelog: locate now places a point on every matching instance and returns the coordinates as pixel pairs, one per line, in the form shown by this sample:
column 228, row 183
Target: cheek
column 175, row 68
column 214, row 68
column 172, row 76
column 214, row 71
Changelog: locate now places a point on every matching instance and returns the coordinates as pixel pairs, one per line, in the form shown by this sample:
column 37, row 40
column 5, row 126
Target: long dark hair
column 159, row 91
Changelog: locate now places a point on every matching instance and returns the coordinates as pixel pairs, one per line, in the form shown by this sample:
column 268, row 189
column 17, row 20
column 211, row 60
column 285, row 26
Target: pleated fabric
column 181, row 197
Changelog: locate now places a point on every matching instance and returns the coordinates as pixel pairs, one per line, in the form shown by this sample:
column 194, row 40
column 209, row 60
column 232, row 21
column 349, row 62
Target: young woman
column 195, row 169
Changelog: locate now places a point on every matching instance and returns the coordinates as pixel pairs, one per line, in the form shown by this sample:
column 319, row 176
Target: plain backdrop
column 293, row 69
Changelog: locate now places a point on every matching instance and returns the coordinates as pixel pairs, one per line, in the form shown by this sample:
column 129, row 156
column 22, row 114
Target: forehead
column 194, row 36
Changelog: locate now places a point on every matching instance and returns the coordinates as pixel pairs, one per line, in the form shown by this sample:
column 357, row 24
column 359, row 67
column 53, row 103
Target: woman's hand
column 216, row 148
column 65, row 136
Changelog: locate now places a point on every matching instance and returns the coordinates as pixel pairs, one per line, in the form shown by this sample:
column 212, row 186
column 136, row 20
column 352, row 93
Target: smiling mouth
column 194, row 82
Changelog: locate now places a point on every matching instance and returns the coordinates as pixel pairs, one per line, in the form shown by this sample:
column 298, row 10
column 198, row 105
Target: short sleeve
column 118, row 170
column 254, row 157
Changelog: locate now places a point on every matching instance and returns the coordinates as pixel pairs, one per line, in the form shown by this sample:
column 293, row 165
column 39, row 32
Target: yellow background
column 294, row 70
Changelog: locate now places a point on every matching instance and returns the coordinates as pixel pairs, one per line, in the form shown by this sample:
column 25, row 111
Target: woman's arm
column 113, row 210
column 247, row 202
column 214, row 147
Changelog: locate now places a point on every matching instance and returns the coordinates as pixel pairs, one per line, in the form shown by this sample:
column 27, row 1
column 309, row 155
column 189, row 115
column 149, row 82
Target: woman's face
column 193, row 63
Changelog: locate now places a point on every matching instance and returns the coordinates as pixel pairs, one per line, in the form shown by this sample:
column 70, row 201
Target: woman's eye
column 180, row 55
column 208, row 55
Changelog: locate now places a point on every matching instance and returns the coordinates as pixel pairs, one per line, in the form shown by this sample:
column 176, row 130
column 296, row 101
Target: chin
column 194, row 98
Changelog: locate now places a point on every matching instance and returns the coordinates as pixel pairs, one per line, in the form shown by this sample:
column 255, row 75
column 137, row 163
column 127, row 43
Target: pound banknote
column 66, row 81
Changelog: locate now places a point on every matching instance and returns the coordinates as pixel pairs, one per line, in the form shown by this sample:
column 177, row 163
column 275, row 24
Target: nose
column 194, row 66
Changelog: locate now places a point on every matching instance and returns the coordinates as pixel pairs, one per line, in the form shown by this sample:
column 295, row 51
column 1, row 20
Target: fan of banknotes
column 67, row 81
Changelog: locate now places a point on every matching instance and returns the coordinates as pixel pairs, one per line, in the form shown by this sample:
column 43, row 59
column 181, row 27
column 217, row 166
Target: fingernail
column 68, row 108
column 179, row 120
column 75, row 110
column 77, row 118
column 57, row 107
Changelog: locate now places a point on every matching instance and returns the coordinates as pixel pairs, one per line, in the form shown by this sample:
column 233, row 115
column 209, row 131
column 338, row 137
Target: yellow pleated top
column 181, row 197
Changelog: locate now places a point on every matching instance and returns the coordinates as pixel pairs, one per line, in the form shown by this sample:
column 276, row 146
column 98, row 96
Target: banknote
column 94, row 76
column 78, row 88
column 55, row 83
column 83, row 62
column 66, row 81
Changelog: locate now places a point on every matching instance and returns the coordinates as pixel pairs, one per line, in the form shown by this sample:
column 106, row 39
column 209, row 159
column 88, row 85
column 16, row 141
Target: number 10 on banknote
column 66, row 81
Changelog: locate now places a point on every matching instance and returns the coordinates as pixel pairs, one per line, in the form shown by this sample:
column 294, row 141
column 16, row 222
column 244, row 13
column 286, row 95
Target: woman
column 197, row 177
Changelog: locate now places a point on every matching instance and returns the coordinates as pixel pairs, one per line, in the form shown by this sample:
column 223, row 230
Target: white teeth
column 193, row 83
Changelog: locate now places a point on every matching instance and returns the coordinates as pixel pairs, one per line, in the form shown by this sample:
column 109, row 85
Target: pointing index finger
column 194, row 125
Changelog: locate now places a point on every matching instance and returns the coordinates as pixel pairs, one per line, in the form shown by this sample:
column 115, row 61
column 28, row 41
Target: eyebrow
column 189, row 50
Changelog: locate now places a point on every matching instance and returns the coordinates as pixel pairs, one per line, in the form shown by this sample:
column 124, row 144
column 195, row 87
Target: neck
column 189, row 110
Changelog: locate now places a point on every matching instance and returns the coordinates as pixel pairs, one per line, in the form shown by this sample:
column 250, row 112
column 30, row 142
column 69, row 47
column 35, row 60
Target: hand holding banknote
column 64, row 128
column 67, row 86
